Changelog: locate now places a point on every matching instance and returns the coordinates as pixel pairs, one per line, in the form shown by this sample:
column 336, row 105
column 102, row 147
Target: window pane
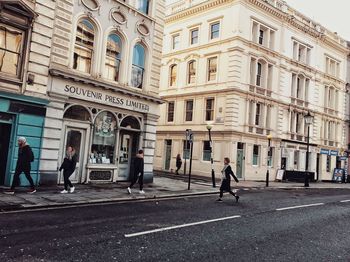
column 194, row 36
column 192, row 72
column 255, row 155
column 139, row 56
column 171, row 107
column 136, row 76
column 215, row 30
column 173, row 75
column 206, row 151
column 113, row 55
column 186, row 149
column 189, row 110
column 142, row 6
column 138, row 66
column 176, row 41
column 102, row 151
column 209, row 111
column 212, row 69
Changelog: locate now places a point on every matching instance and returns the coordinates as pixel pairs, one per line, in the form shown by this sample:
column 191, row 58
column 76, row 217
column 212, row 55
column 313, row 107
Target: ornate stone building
column 252, row 69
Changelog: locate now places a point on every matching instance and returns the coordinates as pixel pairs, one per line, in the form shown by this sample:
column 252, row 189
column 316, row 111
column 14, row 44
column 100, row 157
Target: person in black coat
column 226, row 180
column 68, row 166
column 178, row 164
column 138, row 172
column 25, row 157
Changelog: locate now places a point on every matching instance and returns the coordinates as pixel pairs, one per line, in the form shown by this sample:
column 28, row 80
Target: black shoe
column 219, row 200
column 237, row 198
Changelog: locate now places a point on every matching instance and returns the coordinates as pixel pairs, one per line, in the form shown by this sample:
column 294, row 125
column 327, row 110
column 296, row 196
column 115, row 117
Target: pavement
column 164, row 186
column 265, row 225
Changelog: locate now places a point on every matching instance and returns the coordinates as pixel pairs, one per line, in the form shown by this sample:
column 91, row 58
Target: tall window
column 186, row 149
column 192, row 72
column 113, row 57
column 263, row 35
column 301, row 52
column 258, row 114
column 206, row 151
column 84, row 46
column 256, row 155
column 138, row 66
column 258, row 74
column 175, row 41
column 142, row 6
column 194, row 36
column 11, row 45
column 215, row 30
column 173, row 75
column 171, row 111
column 209, row 109
column 212, row 68
column 189, row 110
column 270, row 157
column 332, row 66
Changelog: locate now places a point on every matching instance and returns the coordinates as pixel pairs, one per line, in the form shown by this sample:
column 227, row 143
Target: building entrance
column 5, row 134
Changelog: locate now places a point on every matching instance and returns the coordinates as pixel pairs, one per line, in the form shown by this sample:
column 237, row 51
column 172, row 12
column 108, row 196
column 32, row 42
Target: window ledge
column 11, row 80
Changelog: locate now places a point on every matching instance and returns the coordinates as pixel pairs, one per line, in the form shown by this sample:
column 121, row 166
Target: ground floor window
column 270, row 157
column 256, row 155
column 104, row 139
column 328, row 164
column 206, row 151
column 186, row 149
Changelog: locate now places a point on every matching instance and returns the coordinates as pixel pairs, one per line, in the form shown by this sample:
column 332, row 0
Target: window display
column 104, row 139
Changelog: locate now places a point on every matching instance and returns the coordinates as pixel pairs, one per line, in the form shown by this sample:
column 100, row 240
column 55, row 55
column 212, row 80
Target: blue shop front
column 20, row 116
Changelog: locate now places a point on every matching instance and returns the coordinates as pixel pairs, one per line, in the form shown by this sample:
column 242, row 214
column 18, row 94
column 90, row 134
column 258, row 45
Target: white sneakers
column 142, row 192
column 71, row 190
column 129, row 190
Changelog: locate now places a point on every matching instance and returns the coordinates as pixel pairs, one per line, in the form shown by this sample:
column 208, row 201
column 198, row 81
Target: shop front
column 106, row 129
column 20, row 116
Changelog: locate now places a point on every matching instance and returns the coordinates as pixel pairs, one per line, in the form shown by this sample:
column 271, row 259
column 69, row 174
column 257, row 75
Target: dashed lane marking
column 302, row 206
column 344, row 201
column 179, row 226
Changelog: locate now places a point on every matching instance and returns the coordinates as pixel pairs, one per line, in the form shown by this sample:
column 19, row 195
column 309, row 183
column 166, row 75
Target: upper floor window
column 212, row 68
column 84, row 46
column 173, row 75
column 209, row 109
column 263, row 35
column 261, row 73
column 194, row 34
column 11, row 48
column 300, row 87
column 113, row 57
column 189, row 110
column 215, row 30
column 301, row 52
column 138, row 66
column 192, row 71
column 142, row 6
column 332, row 66
column 171, row 111
column 175, row 41
column 259, row 117
column 331, row 97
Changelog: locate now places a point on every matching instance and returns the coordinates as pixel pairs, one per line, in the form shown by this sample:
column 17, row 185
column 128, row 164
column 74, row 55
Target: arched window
column 104, row 139
column 77, row 113
column 173, row 75
column 192, row 67
column 142, row 6
column 138, row 66
column 84, row 46
column 113, row 57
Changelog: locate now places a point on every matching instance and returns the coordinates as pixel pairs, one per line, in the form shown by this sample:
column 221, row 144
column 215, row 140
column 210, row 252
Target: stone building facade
column 253, row 69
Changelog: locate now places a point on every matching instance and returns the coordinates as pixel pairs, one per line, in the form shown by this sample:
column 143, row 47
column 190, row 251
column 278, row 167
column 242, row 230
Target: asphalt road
column 276, row 225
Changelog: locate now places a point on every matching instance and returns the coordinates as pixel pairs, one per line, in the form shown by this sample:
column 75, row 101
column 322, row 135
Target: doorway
column 127, row 152
column 240, row 160
column 168, row 144
column 5, row 135
column 75, row 137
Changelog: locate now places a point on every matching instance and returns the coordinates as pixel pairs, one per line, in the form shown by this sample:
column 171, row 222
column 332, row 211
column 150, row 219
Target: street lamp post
column 308, row 121
column 209, row 127
column 269, row 137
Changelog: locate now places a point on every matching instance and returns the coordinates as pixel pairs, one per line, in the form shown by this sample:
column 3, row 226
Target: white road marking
column 180, row 226
column 295, row 207
column 344, row 201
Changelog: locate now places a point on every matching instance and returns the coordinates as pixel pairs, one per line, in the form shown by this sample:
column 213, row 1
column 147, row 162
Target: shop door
column 5, row 134
column 168, row 144
column 75, row 138
column 127, row 152
column 240, row 160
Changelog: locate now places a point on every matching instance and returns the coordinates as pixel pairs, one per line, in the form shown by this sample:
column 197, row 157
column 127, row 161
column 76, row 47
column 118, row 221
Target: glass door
column 168, row 144
column 240, row 160
column 5, row 134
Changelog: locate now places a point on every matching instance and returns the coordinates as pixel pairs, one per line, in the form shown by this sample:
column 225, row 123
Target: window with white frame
column 270, row 157
column 300, row 87
column 113, row 57
column 194, row 36
column 138, row 66
column 212, row 68
column 175, row 41
column 192, row 72
column 261, row 73
column 189, row 110
column 215, row 30
column 209, row 109
column 171, row 111
column 297, row 124
column 331, row 96
column 332, row 66
column 330, row 131
column 259, row 115
column 173, row 75
column 206, row 151
column 263, row 35
column 143, row 6
column 301, row 52
column 186, row 149
column 256, row 155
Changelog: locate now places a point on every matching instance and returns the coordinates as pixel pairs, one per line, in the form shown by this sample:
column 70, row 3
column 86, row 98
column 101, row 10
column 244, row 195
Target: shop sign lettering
column 105, row 98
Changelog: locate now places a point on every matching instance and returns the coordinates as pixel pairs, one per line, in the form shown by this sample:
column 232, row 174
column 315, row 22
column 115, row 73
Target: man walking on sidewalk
column 25, row 157
column 138, row 172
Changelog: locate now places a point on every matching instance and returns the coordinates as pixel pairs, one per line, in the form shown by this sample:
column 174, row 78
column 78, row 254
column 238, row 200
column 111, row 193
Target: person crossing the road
column 138, row 172
column 226, row 180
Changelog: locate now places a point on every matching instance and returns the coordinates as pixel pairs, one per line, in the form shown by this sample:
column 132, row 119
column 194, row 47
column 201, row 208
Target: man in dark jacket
column 138, row 172
column 25, row 157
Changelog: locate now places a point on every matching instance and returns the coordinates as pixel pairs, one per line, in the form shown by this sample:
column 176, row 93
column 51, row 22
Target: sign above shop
column 329, row 152
column 324, row 151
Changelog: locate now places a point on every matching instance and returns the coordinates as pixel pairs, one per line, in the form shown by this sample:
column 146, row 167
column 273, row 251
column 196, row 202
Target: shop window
column 77, row 113
column 138, row 66
column 192, row 65
column 104, row 139
column 131, row 123
column 113, row 57
column 206, row 151
column 84, row 46
column 11, row 48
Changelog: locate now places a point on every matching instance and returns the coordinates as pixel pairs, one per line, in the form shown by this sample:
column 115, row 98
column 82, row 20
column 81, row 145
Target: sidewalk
column 163, row 187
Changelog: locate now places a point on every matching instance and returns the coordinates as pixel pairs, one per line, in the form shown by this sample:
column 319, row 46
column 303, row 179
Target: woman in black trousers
column 68, row 167
column 226, row 180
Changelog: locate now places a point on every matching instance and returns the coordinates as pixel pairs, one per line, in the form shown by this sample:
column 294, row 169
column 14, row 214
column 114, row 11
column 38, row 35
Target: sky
column 330, row 14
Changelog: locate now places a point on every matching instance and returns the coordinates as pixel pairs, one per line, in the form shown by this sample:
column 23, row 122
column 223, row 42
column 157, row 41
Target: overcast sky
column 331, row 14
